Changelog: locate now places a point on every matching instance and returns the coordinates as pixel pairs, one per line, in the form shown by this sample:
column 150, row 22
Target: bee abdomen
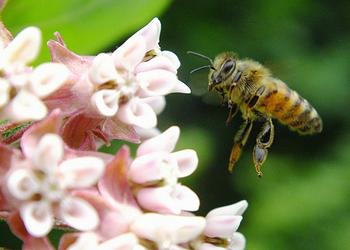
column 291, row 109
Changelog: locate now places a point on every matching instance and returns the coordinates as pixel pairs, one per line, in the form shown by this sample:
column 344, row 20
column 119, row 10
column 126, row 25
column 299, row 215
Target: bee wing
column 198, row 83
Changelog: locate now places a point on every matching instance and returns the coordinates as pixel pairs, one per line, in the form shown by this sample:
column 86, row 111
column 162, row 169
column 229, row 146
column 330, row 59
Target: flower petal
column 147, row 168
column 4, row 92
column 130, row 53
column 163, row 142
column 158, row 200
column 147, row 133
column 172, row 57
column 121, row 131
column 85, row 241
column 168, row 199
column 157, row 82
column 151, row 33
column 185, row 198
column 23, row 49
column 187, row 161
column 78, row 214
column 106, row 102
column 25, row 106
column 170, row 229
column 222, row 226
column 37, row 218
column 48, row 153
column 102, row 69
column 180, row 87
column 34, row 133
column 138, row 113
column 81, row 172
column 238, row 242
column 208, row 246
column 237, row 208
column 47, row 78
column 22, row 184
column 157, row 103
column 126, row 241
column 114, row 185
column 157, row 62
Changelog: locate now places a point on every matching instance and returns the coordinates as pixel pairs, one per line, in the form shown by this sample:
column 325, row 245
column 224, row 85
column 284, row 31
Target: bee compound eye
column 228, row 66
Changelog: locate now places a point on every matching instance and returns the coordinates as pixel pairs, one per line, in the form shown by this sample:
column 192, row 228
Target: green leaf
column 87, row 26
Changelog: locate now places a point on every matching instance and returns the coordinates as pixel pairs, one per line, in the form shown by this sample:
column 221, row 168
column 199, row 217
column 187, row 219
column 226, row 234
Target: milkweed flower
column 116, row 95
column 21, row 86
column 156, row 171
column 40, row 180
column 220, row 232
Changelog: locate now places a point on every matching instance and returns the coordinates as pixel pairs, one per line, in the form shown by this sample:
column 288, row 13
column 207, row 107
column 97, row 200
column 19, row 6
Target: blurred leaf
column 86, row 26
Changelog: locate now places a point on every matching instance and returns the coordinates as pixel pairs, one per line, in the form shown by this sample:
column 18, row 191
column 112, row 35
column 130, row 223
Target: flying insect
column 248, row 86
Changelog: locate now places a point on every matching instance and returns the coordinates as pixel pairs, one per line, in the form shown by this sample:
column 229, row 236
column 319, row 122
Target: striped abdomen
column 287, row 106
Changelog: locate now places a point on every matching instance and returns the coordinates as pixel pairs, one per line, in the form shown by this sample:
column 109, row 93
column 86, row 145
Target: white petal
column 238, row 242
column 127, row 241
column 106, row 102
column 147, row 133
column 102, row 69
column 169, row 229
column 85, row 241
column 157, row 82
column 130, row 53
column 157, row 103
column 81, row 172
column 79, row 214
column 4, row 92
column 147, row 168
column 237, row 208
column 151, row 33
column 172, row 57
column 185, row 198
column 47, row 78
column 25, row 106
column 158, row 199
column 222, row 226
column 48, row 153
column 157, row 62
column 37, row 218
column 22, row 184
column 207, row 246
column 163, row 142
column 23, row 49
column 180, row 87
column 187, row 161
column 136, row 112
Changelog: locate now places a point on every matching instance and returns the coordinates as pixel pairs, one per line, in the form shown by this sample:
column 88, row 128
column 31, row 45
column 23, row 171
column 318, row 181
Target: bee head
column 222, row 69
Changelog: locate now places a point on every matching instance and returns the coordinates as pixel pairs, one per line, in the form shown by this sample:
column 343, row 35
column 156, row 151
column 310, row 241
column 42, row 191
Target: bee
column 248, row 86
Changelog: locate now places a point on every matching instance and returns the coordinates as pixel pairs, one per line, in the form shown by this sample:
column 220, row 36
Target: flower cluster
column 53, row 176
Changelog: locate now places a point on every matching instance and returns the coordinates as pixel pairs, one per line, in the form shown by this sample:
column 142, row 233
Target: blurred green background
column 303, row 200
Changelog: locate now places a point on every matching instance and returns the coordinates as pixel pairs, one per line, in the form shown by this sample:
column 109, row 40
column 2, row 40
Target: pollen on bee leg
column 235, row 153
column 259, row 157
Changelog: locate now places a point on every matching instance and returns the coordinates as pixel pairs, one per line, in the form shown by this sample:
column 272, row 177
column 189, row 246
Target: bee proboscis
column 248, row 86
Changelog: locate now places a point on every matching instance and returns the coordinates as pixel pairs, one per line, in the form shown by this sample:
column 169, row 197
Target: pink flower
column 116, row 94
column 221, row 226
column 21, row 87
column 39, row 181
column 156, row 171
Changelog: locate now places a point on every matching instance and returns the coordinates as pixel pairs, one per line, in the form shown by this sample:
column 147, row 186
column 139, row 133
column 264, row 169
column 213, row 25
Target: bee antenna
column 200, row 68
column 202, row 56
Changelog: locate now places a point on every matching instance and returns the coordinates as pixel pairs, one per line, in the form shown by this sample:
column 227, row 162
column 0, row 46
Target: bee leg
column 233, row 108
column 239, row 141
column 263, row 142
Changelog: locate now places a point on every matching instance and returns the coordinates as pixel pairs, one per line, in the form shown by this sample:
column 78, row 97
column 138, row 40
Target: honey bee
column 248, row 86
